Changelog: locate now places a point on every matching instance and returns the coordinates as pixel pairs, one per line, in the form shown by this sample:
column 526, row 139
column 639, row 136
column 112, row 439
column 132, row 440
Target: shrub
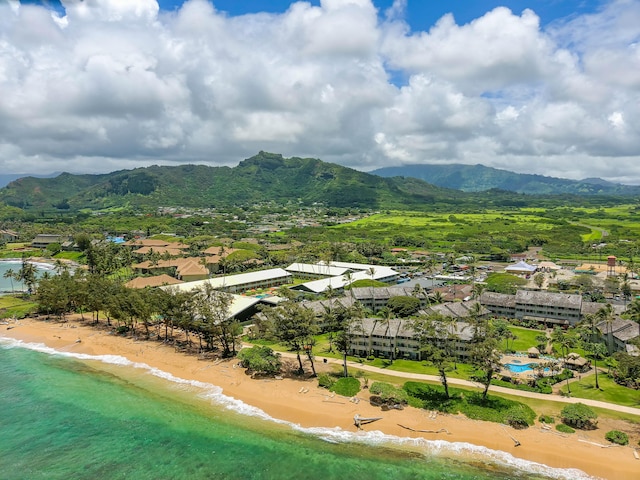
column 517, row 418
column 388, row 393
column 260, row 359
column 346, row 386
column 546, row 419
column 561, row 427
column 616, row 436
column 325, row 380
column 578, row 415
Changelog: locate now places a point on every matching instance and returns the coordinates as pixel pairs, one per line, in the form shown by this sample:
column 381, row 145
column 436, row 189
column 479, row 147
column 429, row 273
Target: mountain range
column 269, row 177
column 264, row 177
column 478, row 178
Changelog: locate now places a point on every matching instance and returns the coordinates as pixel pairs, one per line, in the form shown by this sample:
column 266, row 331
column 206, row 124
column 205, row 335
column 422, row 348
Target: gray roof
column 498, row 299
column 535, row 297
column 455, row 309
column 362, row 293
column 401, row 327
column 623, row 330
column 589, row 308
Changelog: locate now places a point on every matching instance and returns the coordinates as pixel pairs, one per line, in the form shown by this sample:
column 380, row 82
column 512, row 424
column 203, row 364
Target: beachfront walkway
column 493, row 388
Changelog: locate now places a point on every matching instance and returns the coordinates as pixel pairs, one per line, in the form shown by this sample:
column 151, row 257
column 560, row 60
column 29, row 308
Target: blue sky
column 541, row 86
column 419, row 14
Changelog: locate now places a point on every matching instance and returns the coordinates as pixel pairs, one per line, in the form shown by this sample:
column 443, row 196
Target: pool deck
column 523, row 359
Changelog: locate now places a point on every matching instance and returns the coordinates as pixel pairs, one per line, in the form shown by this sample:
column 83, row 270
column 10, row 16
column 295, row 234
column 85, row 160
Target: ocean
column 8, row 285
column 76, row 416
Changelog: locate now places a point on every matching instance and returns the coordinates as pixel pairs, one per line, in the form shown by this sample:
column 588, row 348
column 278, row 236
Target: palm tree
column 597, row 351
column 566, row 341
column 10, row 274
column 348, row 280
column 633, row 311
column 607, row 314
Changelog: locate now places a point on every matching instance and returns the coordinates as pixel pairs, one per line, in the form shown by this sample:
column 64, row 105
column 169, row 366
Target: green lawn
column 11, row 306
column 609, row 391
column 525, row 339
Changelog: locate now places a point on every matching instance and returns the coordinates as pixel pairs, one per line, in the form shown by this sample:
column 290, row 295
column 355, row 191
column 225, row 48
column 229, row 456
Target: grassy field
column 525, row 339
column 609, row 391
column 11, row 306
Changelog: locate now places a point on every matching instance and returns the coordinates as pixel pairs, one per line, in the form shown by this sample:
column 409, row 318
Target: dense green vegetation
column 473, row 405
column 476, row 178
column 617, row 437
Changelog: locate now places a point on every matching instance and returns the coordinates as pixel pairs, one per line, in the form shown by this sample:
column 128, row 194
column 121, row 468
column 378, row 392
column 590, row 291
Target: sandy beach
column 303, row 403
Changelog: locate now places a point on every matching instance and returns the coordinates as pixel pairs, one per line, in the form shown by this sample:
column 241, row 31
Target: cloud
column 119, row 83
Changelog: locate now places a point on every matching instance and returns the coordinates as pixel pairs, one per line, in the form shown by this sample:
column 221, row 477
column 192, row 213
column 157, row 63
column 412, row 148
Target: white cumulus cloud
column 120, row 83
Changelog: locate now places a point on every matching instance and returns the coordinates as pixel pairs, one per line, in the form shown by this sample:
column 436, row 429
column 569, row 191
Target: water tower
column 611, row 266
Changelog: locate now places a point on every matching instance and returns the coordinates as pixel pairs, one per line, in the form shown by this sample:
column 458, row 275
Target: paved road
column 467, row 383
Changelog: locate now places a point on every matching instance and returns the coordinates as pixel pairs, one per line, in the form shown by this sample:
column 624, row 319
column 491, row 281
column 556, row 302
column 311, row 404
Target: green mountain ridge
column 264, row 177
column 478, row 178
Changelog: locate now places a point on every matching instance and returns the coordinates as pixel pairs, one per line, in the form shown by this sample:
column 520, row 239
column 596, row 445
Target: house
column 44, row 240
column 152, row 282
column 8, row 236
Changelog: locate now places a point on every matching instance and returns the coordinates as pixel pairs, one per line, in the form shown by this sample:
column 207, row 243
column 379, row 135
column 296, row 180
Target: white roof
column 240, row 304
column 319, row 286
column 339, row 282
column 317, row 269
column 235, row 280
column 521, row 267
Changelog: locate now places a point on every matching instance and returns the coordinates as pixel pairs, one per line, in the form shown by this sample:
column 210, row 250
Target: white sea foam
column 214, row 394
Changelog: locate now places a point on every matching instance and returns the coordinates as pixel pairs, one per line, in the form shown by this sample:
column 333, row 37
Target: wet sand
column 302, row 402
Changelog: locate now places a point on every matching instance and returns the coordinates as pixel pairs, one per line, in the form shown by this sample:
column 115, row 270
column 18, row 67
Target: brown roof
column 192, row 268
column 146, row 242
column 160, row 250
column 157, row 281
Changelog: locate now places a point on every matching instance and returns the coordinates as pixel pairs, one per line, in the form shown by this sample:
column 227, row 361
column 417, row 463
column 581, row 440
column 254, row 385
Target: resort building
column 548, row 307
column 396, row 338
column 351, row 272
column 458, row 310
column 618, row 334
column 376, row 298
column 44, row 240
column 242, row 282
column 315, row 270
column 152, row 282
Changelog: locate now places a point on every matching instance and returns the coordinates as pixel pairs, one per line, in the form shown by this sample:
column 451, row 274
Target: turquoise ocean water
column 6, row 284
column 69, row 416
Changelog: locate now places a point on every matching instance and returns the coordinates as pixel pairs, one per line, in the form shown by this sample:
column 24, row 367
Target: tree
column 566, row 340
column 436, row 345
column 485, row 357
column 597, row 351
column 261, row 360
column 607, row 315
column 403, row 306
column 578, row 415
column 632, row 312
column 10, row 274
column 211, row 310
column 293, row 325
column 27, row 275
column 627, row 370
column 343, row 341
column 538, row 279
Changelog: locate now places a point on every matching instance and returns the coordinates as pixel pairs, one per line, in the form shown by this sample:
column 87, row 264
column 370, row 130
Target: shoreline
column 301, row 402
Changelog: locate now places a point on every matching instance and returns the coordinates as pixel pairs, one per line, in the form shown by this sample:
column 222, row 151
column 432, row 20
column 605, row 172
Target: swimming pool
column 520, row 368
